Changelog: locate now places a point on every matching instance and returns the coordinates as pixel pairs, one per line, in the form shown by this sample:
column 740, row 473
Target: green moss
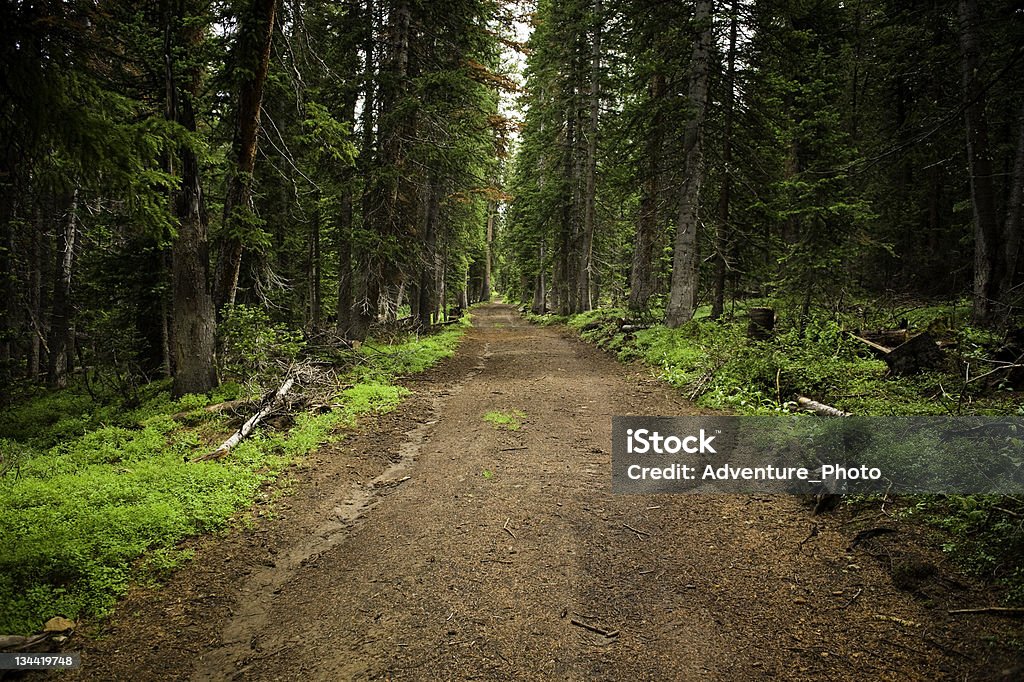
column 509, row 421
column 98, row 495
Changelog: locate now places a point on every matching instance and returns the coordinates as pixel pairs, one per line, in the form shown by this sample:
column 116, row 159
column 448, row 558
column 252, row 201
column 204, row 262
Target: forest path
column 483, row 553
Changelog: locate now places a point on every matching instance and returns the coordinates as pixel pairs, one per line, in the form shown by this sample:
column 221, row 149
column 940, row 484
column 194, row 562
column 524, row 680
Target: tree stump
column 762, row 323
column 920, row 352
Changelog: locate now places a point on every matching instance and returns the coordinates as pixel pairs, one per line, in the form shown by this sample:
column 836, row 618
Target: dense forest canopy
column 683, row 153
column 169, row 165
column 171, row 169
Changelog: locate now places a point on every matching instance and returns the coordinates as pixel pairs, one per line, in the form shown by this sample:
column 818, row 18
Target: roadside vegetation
column 715, row 364
column 99, row 489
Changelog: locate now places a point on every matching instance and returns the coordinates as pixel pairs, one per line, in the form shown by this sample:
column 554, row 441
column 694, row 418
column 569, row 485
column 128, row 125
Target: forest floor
column 432, row 544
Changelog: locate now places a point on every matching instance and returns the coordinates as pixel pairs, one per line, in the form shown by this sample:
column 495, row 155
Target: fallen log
column 762, row 323
column 820, row 408
column 246, row 428
column 1012, row 612
column 874, row 346
column 920, row 352
column 910, row 357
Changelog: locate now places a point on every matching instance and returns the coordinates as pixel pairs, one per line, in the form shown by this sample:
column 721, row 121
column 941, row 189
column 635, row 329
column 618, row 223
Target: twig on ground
column 1010, row 611
column 593, row 628
column 854, row 598
column 639, row 533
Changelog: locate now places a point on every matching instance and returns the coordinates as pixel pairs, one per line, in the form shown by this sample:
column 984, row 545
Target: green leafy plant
column 254, row 349
column 509, row 420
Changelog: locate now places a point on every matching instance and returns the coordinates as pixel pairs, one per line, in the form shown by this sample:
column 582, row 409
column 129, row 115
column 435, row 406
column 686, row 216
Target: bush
column 253, row 349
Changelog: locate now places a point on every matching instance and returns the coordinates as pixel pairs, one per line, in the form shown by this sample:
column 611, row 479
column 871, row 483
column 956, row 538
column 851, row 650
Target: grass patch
column 100, row 495
column 508, row 421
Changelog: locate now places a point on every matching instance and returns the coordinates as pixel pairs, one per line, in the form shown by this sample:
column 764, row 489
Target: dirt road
column 435, row 545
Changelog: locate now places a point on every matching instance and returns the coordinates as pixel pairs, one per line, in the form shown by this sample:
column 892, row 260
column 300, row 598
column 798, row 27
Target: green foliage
column 728, row 371
column 983, row 534
column 253, row 347
column 96, row 487
column 332, row 138
column 507, row 420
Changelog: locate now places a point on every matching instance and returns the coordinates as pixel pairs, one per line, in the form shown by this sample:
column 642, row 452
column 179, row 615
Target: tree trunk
column 540, row 294
column 251, row 61
column 193, row 314
column 428, row 299
column 7, row 278
column 987, row 252
column 641, row 276
column 564, row 270
column 35, row 301
column 59, row 340
column 313, row 269
column 364, row 311
column 722, row 232
column 485, row 288
column 590, row 172
column 1014, row 209
column 343, row 310
column 685, row 262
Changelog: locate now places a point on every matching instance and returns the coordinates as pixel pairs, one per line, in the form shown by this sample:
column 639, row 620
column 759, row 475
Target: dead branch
column 820, row 408
column 593, row 628
column 878, row 347
column 1012, row 612
column 253, row 421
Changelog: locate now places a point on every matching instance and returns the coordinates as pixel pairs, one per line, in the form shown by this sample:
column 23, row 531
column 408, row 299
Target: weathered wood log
column 21, row 643
column 252, row 422
column 820, row 408
column 762, row 323
column 883, row 350
column 920, row 352
column 890, row 338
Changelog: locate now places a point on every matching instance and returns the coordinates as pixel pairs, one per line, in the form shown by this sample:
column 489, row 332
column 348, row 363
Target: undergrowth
column 507, row 420
column 718, row 366
column 97, row 495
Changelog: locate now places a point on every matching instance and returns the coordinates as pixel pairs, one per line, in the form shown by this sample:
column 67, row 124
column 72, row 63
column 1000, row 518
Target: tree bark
column 564, row 273
column 641, row 276
column 367, row 290
column 345, row 224
column 485, row 288
column 723, row 230
column 193, row 313
column 343, row 310
column 685, row 262
column 987, row 251
column 35, row 301
column 540, row 294
column 59, row 341
column 252, row 60
column 313, row 269
column 590, row 172
column 428, row 288
column 1014, row 210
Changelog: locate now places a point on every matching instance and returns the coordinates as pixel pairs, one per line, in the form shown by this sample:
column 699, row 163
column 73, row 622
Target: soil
column 431, row 544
